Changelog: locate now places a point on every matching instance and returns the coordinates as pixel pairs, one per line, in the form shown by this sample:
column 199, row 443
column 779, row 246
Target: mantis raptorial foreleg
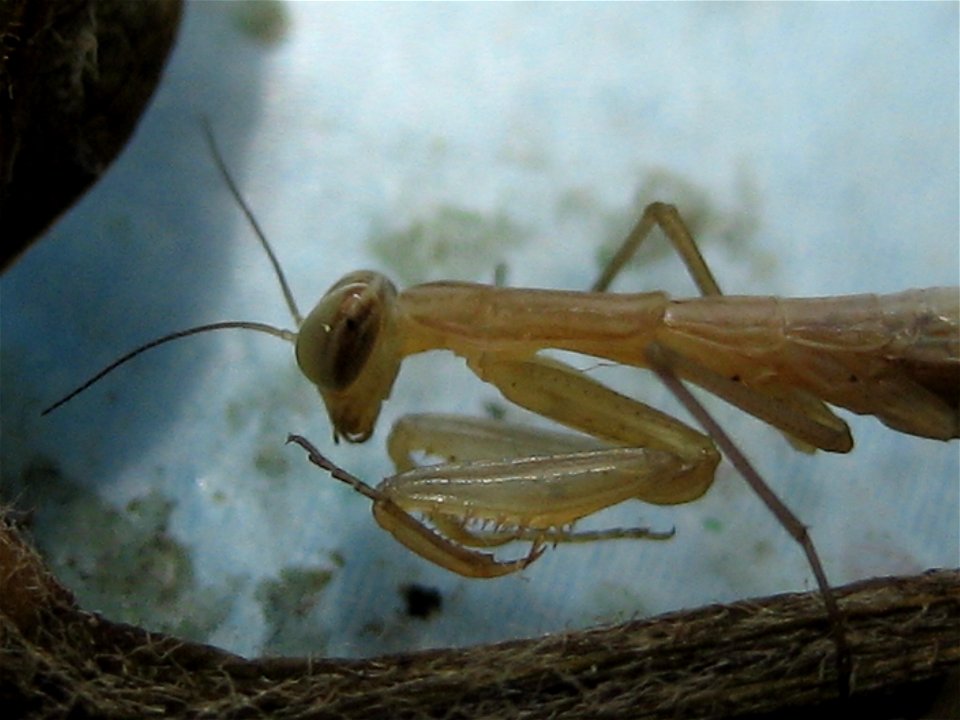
column 555, row 481
column 557, row 391
column 414, row 534
column 458, row 438
column 450, row 495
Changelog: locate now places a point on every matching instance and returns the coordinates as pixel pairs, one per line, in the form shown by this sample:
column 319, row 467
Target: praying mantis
column 896, row 357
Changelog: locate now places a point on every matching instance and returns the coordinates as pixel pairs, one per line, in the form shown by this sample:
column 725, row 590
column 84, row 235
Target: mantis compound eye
column 349, row 347
column 338, row 337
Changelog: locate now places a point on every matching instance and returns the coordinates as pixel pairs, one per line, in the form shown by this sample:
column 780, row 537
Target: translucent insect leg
column 413, row 534
column 555, row 390
column 661, row 364
column 668, row 218
column 456, row 438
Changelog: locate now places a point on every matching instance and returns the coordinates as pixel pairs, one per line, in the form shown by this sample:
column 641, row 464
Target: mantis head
column 349, row 347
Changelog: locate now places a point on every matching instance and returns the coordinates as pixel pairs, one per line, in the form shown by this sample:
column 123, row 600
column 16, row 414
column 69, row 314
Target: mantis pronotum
column 896, row 357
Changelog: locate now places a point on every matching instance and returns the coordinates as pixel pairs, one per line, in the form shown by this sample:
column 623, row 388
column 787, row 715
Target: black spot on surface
column 422, row 602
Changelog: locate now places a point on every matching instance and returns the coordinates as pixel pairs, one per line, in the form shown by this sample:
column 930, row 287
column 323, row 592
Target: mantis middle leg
column 811, row 418
column 662, row 364
column 668, row 218
column 806, row 422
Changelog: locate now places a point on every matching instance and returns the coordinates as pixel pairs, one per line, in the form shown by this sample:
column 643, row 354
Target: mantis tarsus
column 896, row 357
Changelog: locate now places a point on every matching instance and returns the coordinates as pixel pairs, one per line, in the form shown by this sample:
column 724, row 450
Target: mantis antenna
column 288, row 335
column 261, row 237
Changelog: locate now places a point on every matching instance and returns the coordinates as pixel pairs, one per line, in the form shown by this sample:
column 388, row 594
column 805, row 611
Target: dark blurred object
column 422, row 601
column 75, row 75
